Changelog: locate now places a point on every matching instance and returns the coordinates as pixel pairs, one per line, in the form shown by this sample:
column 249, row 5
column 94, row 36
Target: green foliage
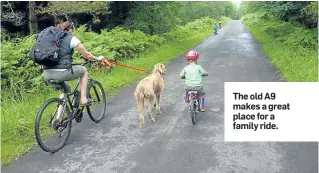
column 71, row 7
column 4, row 34
column 118, row 43
column 231, row 10
column 296, row 35
column 161, row 17
column 304, row 12
column 293, row 49
column 18, row 73
column 310, row 14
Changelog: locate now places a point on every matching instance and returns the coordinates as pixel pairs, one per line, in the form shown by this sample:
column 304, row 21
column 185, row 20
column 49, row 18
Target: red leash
column 107, row 63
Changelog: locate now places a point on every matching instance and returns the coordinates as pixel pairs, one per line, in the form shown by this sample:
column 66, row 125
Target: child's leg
column 202, row 100
column 202, row 103
column 186, row 98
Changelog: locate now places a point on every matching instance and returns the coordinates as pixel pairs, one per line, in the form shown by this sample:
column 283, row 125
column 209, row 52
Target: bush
column 290, row 34
column 290, row 46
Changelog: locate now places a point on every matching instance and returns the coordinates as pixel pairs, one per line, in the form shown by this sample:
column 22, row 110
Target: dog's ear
column 160, row 68
column 156, row 68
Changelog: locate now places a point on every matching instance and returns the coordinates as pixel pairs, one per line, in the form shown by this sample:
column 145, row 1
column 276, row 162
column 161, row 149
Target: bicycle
column 67, row 110
column 194, row 102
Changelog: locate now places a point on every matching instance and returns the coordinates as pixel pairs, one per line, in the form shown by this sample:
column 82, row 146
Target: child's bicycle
column 57, row 113
column 194, row 103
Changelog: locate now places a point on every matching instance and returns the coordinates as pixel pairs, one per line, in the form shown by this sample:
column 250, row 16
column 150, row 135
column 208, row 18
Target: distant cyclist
column 220, row 24
column 215, row 28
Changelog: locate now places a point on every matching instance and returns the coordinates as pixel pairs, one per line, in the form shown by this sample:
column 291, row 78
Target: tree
column 67, row 9
column 8, row 14
column 33, row 24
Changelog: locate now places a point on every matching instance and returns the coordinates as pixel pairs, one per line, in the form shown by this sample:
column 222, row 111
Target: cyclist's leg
column 202, row 99
column 186, row 97
column 64, row 91
column 81, row 71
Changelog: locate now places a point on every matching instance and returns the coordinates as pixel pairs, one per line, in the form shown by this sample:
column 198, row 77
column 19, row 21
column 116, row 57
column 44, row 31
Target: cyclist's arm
column 85, row 53
column 182, row 74
column 202, row 71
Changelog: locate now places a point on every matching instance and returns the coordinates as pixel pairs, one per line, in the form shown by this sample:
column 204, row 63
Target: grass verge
column 295, row 52
column 19, row 116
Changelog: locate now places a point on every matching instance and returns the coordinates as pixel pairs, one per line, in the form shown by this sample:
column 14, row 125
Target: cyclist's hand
column 101, row 58
column 106, row 62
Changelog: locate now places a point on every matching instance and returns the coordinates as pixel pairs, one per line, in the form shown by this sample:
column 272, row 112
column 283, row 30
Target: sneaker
column 202, row 109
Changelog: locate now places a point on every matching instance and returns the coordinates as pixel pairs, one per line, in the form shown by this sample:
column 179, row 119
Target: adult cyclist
column 64, row 71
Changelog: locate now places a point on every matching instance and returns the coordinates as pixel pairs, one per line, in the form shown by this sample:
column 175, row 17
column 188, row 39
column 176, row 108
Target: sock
column 202, row 102
column 186, row 96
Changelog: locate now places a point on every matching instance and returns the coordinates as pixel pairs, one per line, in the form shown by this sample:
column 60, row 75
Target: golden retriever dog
column 150, row 88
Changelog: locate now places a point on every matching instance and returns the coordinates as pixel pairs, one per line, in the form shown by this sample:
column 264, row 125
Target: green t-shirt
column 193, row 75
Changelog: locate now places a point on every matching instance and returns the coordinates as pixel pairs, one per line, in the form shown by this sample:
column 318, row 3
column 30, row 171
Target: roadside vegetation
column 288, row 32
column 139, row 34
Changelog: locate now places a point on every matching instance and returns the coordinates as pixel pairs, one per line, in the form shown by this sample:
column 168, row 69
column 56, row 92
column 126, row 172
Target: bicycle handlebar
column 183, row 77
column 86, row 62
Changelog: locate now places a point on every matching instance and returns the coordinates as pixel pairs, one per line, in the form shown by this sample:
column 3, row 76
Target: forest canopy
column 303, row 12
column 151, row 17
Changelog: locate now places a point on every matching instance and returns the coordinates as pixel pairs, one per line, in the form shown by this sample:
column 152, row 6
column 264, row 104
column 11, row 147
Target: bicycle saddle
column 55, row 84
column 192, row 91
column 55, row 81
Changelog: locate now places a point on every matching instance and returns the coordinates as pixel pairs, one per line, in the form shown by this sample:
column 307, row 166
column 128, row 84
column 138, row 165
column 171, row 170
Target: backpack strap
column 58, row 35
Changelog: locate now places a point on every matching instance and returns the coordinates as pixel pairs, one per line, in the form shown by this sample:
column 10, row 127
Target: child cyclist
column 193, row 75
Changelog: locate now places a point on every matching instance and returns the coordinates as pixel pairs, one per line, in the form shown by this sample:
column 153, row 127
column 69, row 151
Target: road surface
column 173, row 144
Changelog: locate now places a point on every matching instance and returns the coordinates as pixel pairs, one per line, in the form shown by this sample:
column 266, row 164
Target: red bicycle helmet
column 191, row 55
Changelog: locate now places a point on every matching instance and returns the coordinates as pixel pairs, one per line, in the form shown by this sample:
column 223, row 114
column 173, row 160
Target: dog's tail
column 139, row 96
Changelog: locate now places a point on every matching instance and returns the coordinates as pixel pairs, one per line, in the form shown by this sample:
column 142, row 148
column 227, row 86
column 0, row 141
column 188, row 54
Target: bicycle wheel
column 193, row 112
column 47, row 124
column 97, row 109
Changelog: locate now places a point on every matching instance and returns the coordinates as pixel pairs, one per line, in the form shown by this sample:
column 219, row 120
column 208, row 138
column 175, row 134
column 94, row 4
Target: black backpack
column 46, row 49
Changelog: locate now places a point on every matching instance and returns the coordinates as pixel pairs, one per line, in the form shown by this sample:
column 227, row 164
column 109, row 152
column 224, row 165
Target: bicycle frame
column 66, row 96
column 193, row 95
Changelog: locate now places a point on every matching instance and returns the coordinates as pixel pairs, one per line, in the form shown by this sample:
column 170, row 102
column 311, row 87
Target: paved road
column 173, row 144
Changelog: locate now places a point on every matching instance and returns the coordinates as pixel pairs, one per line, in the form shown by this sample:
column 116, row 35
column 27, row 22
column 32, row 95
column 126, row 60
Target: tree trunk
column 33, row 24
